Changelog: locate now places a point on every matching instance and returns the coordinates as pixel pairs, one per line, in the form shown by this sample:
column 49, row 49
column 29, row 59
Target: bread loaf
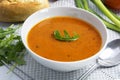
column 19, row 10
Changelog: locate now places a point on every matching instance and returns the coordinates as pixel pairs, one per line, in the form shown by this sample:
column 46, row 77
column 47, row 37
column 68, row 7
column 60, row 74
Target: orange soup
column 41, row 39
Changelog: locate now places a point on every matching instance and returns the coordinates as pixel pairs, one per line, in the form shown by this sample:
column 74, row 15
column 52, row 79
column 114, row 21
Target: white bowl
column 63, row 11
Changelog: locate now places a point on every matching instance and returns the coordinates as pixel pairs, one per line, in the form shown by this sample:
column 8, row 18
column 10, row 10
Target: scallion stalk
column 101, row 6
column 109, row 25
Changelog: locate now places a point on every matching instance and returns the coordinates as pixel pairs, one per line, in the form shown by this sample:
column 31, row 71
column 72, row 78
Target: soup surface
column 42, row 41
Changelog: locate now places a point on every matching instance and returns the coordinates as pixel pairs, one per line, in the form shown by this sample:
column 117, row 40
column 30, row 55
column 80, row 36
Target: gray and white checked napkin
column 35, row 71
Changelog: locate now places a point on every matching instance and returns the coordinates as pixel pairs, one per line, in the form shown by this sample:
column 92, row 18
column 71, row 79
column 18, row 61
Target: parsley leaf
column 11, row 46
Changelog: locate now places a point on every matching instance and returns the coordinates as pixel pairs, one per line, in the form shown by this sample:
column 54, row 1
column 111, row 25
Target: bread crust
column 19, row 11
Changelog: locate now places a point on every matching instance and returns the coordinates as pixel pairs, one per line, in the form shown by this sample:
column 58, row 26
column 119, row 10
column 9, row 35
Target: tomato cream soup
column 41, row 39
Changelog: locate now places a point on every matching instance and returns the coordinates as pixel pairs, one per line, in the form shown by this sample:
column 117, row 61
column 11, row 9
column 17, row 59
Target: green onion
column 109, row 25
column 101, row 6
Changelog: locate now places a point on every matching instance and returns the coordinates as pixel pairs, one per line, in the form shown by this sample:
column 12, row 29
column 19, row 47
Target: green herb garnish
column 11, row 46
column 66, row 36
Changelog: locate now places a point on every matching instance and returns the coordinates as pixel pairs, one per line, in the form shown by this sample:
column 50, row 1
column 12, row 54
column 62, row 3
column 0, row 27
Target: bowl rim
column 65, row 62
